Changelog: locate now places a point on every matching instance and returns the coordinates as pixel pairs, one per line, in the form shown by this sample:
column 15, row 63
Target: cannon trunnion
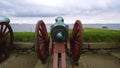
column 59, row 43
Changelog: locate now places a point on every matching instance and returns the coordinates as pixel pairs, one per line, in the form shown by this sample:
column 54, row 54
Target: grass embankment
column 89, row 35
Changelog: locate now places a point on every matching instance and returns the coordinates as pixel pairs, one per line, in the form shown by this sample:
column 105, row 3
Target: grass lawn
column 24, row 36
column 101, row 35
column 89, row 35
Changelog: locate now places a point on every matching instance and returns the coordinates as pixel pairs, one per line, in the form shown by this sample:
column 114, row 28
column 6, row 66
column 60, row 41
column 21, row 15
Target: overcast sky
column 88, row 10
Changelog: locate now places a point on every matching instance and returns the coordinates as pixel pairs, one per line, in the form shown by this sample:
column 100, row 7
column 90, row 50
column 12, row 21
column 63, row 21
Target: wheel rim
column 42, row 40
column 76, row 40
column 6, row 40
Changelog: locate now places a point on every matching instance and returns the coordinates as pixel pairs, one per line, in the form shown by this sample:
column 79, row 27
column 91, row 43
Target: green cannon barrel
column 6, row 20
column 59, row 30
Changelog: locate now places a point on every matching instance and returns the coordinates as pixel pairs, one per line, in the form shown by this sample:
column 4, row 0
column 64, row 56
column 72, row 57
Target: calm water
column 31, row 27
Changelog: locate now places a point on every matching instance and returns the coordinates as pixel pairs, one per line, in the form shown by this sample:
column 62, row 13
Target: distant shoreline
column 31, row 27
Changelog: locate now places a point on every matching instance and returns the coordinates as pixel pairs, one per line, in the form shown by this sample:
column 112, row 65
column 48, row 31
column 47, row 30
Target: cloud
column 40, row 8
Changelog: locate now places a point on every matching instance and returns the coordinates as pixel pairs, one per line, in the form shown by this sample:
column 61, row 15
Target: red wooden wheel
column 76, row 41
column 6, row 40
column 42, row 41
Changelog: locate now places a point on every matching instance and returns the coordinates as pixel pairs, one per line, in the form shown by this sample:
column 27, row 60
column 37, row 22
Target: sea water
column 31, row 27
column 28, row 24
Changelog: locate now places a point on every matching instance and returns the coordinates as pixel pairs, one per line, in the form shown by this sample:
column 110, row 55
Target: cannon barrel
column 59, row 43
column 59, row 30
column 5, row 20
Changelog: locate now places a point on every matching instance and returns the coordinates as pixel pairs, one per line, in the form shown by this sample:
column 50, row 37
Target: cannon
column 6, row 38
column 59, row 43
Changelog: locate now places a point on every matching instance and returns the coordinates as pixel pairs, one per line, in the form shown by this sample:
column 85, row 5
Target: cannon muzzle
column 59, row 30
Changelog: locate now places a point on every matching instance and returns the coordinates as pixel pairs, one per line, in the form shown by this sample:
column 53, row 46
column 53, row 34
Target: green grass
column 24, row 36
column 101, row 35
column 89, row 35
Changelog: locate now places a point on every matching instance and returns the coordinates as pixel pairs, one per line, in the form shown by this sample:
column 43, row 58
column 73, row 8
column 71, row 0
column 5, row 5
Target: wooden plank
column 63, row 60
column 55, row 60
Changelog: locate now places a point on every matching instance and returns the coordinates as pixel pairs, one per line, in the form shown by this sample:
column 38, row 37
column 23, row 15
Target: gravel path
column 101, row 60
column 87, row 60
column 20, row 61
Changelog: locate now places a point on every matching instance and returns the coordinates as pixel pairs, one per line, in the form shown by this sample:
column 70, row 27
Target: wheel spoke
column 6, row 33
column 4, row 30
column 43, row 51
column 42, row 48
column 41, row 41
column 6, row 40
column 41, row 36
column 1, row 28
column 76, row 40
